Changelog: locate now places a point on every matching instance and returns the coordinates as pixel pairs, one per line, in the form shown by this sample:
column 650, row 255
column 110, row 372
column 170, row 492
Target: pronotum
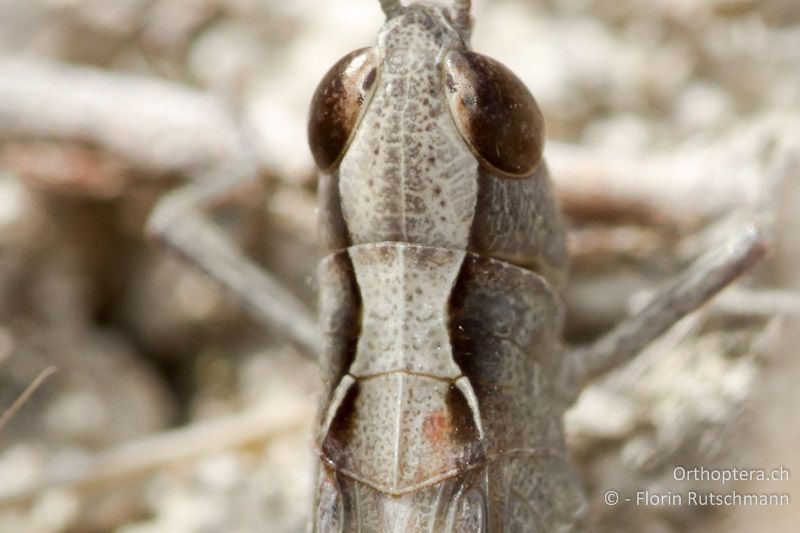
column 444, row 379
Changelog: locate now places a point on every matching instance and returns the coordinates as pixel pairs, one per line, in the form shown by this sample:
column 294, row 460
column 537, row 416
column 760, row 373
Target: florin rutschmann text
column 654, row 497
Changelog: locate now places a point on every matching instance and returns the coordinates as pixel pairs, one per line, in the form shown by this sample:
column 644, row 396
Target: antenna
column 461, row 17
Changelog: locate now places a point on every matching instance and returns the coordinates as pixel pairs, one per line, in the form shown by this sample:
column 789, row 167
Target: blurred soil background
column 671, row 124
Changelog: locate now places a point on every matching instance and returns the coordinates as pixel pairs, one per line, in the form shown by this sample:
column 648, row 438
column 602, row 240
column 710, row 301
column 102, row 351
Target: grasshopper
column 439, row 302
column 443, row 372
column 444, row 377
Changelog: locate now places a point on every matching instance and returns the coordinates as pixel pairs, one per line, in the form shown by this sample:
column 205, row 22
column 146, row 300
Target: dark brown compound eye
column 495, row 113
column 337, row 105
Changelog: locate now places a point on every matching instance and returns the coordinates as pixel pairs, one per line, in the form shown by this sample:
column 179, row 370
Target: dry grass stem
column 9, row 413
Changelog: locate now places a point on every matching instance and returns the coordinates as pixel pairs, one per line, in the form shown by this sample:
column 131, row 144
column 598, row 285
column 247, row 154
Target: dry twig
column 158, row 126
column 135, row 459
